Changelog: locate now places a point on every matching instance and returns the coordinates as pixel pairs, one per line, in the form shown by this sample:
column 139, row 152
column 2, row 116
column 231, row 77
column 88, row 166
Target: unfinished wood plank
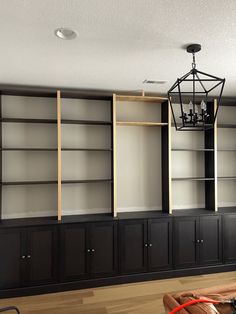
column 148, row 99
column 59, row 204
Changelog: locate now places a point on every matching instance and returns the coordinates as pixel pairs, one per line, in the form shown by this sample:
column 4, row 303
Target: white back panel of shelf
column 28, row 107
column 86, row 198
column 138, row 111
column 226, row 193
column 85, row 109
column 226, row 138
column 29, row 201
column 226, row 114
column 139, row 168
column 83, row 165
column 86, row 136
column 188, row 194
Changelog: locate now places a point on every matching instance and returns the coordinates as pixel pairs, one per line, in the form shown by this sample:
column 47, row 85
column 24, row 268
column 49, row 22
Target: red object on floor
column 182, row 306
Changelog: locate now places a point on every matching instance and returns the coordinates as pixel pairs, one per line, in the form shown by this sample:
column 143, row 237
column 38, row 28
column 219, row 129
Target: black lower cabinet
column 145, row 245
column 160, row 244
column 88, row 250
column 28, row 256
column 11, row 267
column 210, row 247
column 185, row 234
column 133, row 246
column 103, row 249
column 197, row 241
column 229, row 238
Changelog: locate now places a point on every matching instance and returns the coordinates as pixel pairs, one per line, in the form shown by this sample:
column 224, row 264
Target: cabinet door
column 133, row 246
column 11, row 261
column 210, row 240
column 229, row 238
column 42, row 254
column 103, row 249
column 186, row 250
column 74, row 253
column 159, row 244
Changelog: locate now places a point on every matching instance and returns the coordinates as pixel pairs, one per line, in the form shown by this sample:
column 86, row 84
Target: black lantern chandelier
column 192, row 98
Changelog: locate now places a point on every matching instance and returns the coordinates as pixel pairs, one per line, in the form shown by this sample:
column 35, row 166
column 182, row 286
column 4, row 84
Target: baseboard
column 119, row 279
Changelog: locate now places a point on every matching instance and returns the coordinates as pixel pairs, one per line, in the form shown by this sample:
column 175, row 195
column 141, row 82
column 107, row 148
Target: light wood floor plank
column 138, row 298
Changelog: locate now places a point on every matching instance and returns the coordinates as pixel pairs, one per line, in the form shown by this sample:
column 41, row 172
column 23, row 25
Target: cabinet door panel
column 42, row 244
column 133, row 237
column 229, row 229
column 74, row 252
column 160, row 244
column 11, row 263
column 186, row 250
column 211, row 241
column 103, row 245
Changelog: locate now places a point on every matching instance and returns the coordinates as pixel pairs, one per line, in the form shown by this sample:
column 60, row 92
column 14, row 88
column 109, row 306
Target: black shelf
column 27, row 182
column 227, row 150
column 193, row 150
column 90, row 122
column 28, row 149
column 21, row 120
column 193, row 179
column 54, row 121
column 55, row 149
column 226, row 178
column 88, row 149
column 86, row 181
column 226, row 126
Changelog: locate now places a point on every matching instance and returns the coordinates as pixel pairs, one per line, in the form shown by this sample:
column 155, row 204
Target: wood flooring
column 138, row 298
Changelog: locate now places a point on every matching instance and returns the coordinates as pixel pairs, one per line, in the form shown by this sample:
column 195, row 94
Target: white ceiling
column 120, row 42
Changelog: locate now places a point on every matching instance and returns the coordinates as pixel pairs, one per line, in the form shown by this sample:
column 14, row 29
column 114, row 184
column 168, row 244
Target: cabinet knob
column 201, row 241
column 146, row 245
column 23, row 256
column 198, row 241
column 28, row 256
column 150, row 245
column 88, row 250
column 93, row 250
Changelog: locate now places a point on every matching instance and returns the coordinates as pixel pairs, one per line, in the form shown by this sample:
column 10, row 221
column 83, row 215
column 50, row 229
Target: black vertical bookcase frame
column 0, row 156
column 165, row 158
column 112, row 156
column 210, row 168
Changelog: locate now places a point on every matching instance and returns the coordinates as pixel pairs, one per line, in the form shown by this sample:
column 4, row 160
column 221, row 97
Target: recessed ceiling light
column 65, row 33
column 154, row 82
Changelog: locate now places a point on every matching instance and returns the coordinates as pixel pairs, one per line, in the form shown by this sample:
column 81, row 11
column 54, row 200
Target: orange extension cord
column 182, row 306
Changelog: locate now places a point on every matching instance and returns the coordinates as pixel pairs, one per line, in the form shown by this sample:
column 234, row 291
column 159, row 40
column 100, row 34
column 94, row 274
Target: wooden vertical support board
column 114, row 206
column 210, row 162
column 215, row 158
column 59, row 205
column 166, row 151
column 1, row 157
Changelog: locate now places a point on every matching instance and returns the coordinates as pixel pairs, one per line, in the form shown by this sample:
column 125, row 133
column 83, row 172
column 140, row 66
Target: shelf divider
column 114, row 206
column 59, row 204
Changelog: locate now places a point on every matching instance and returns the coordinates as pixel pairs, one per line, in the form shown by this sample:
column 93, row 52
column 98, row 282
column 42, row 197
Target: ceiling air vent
column 154, row 82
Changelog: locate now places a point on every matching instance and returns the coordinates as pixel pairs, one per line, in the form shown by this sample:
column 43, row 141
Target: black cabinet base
column 92, row 283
